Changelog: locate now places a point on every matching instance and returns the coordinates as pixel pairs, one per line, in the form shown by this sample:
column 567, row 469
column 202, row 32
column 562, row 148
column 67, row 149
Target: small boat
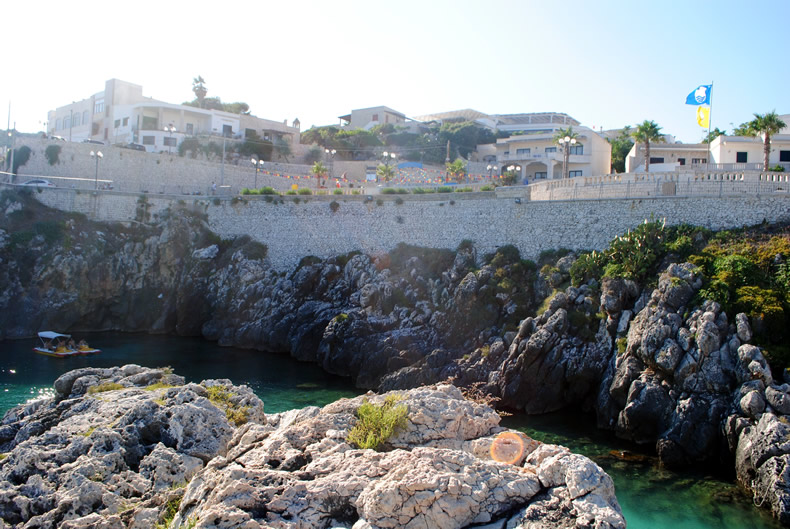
column 60, row 345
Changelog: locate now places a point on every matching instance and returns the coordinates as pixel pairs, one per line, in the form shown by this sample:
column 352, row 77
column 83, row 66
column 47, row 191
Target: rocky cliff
column 133, row 447
column 655, row 365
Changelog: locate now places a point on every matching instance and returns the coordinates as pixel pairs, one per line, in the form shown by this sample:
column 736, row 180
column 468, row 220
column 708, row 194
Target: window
column 125, row 121
column 170, row 142
column 375, row 117
column 148, row 140
column 551, row 149
column 699, row 160
column 571, row 174
column 67, row 123
column 116, row 124
column 85, row 117
column 227, row 130
column 507, row 153
column 741, row 157
column 577, row 149
column 682, row 161
column 98, row 108
column 75, row 121
column 541, row 174
column 149, row 123
column 784, row 156
column 523, row 151
column 656, row 159
column 190, row 128
column 57, row 124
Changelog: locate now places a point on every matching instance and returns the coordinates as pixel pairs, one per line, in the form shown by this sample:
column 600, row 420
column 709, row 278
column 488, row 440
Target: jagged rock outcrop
column 131, row 447
column 299, row 471
column 113, row 447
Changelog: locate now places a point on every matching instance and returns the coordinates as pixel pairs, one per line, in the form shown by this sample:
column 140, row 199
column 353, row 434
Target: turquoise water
column 651, row 498
column 279, row 380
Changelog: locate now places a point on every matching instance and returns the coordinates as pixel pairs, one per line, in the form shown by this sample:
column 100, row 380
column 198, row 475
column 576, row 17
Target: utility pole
column 13, row 142
column 222, row 170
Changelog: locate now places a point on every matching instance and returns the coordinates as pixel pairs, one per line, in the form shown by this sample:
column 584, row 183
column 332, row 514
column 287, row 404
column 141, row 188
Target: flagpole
column 710, row 119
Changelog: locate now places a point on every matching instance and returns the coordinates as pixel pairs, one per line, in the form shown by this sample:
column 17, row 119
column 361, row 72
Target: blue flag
column 700, row 96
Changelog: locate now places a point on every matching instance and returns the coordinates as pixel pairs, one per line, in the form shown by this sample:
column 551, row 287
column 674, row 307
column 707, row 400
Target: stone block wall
column 294, row 227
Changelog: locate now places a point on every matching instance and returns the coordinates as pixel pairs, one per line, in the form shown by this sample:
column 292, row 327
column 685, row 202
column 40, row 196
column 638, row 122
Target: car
column 39, row 182
column 97, row 142
column 136, row 147
column 57, row 138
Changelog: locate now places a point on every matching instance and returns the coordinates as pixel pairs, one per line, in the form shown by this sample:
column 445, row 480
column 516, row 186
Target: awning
column 49, row 335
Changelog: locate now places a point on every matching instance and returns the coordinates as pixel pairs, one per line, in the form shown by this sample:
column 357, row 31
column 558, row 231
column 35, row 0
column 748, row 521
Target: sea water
column 651, row 497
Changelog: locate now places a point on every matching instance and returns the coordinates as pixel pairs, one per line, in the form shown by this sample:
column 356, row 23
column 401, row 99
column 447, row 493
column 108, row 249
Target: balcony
column 544, row 157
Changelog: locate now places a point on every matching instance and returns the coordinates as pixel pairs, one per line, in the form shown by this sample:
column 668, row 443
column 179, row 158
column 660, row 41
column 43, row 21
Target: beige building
column 367, row 118
column 121, row 114
column 532, row 149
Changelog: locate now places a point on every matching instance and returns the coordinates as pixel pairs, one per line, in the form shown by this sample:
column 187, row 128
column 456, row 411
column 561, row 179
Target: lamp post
column 387, row 158
column 566, row 143
column 258, row 167
column 98, row 155
column 170, row 129
column 513, row 169
column 490, row 169
column 12, row 176
column 331, row 154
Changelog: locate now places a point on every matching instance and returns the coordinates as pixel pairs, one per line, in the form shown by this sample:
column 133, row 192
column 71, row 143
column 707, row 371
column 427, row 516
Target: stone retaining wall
column 301, row 226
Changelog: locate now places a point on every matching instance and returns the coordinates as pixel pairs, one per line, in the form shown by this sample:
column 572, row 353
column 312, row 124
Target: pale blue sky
column 606, row 63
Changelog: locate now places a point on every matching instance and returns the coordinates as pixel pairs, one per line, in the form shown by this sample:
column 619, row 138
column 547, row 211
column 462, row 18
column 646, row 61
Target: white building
column 121, row 114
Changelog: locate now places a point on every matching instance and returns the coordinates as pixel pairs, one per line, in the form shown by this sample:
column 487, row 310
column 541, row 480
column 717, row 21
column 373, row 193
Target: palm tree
column 199, row 87
column 320, row 171
column 565, row 138
column 646, row 132
column 765, row 125
column 385, row 172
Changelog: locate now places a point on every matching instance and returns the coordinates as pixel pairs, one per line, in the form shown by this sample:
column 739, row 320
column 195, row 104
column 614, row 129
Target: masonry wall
column 294, row 230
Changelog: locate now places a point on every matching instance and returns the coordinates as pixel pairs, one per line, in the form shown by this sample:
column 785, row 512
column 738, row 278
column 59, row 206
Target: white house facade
column 121, row 114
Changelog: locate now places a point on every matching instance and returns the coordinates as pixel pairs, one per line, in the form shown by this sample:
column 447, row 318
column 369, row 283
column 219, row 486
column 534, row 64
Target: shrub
column 106, row 386
column 267, row 191
column 778, row 168
column 290, row 192
column 158, row 385
column 170, row 511
column 337, row 192
column 403, row 191
column 466, row 244
column 399, row 201
column 464, row 190
column 221, row 397
column 379, row 202
column 334, row 206
column 487, row 188
column 388, row 191
column 305, row 191
column 586, row 267
column 444, row 189
column 377, row 423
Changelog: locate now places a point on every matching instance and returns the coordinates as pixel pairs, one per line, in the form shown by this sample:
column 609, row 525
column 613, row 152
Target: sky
column 605, row 63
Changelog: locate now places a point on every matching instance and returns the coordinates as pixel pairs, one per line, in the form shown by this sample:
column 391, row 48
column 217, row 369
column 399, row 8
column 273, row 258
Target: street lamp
column 491, row 169
column 566, row 143
column 387, row 158
column 514, row 169
column 258, row 167
column 98, row 155
column 170, row 129
column 331, row 154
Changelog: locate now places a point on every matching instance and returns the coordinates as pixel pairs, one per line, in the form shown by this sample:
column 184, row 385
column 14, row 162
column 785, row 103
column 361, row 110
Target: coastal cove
column 649, row 496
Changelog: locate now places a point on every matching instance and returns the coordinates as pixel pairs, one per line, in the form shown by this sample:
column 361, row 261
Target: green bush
column 334, row 206
column 376, row 424
column 267, row 191
column 221, row 397
column 778, row 168
column 337, row 192
column 290, row 192
column 388, row 191
column 463, row 189
column 586, row 267
column 106, row 386
column 403, row 191
column 399, row 201
column 487, row 188
column 444, row 189
column 305, row 191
